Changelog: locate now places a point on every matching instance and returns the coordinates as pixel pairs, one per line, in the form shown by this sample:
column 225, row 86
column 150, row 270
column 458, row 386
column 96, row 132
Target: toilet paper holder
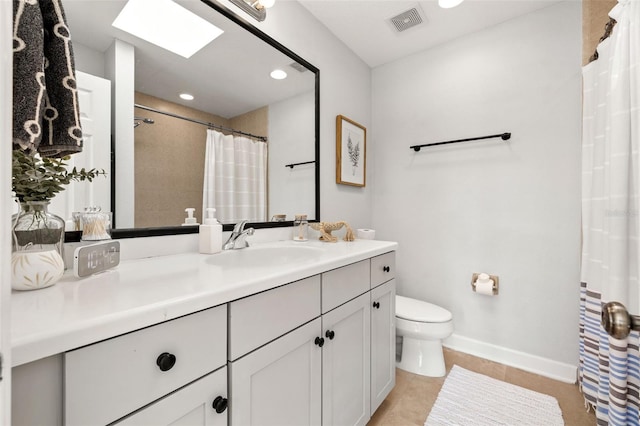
column 493, row 278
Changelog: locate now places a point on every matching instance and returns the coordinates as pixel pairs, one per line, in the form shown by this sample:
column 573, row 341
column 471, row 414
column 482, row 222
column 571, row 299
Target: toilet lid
column 419, row 311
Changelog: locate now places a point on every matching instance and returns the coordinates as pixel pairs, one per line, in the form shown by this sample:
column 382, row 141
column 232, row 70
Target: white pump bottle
column 210, row 233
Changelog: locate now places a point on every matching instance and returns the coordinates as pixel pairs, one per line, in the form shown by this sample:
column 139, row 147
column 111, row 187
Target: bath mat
column 469, row 398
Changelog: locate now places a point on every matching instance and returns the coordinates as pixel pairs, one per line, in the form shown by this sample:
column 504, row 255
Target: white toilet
column 422, row 326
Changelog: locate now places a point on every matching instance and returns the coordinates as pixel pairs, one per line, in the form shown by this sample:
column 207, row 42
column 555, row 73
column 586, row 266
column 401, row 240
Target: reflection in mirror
column 240, row 131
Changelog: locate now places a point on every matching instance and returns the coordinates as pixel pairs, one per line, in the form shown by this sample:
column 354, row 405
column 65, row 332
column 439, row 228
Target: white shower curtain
column 235, row 178
column 609, row 369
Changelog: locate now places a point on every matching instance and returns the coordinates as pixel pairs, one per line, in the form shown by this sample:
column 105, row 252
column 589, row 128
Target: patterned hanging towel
column 46, row 117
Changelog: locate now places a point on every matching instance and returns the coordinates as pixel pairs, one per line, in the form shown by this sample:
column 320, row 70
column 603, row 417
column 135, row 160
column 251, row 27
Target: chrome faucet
column 238, row 238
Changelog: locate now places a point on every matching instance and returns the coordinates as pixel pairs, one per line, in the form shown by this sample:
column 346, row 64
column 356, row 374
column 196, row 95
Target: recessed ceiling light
column 448, row 4
column 186, row 96
column 278, row 74
column 166, row 24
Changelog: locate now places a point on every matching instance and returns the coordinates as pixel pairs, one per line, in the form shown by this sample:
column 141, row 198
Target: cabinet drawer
column 383, row 268
column 110, row 379
column 261, row 318
column 343, row 284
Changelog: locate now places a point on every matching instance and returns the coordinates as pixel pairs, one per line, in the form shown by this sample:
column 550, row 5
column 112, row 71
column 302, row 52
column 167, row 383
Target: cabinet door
column 345, row 364
column 383, row 342
column 280, row 383
column 192, row 405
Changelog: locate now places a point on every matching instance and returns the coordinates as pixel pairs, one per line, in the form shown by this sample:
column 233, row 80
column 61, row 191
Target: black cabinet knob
column 376, row 305
column 319, row 341
column 386, row 268
column 166, row 361
column 219, row 404
column 330, row 334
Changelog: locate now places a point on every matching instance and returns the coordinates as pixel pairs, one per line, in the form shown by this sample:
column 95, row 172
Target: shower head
column 139, row 120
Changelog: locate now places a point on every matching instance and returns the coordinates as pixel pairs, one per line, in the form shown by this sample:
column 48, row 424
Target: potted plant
column 38, row 235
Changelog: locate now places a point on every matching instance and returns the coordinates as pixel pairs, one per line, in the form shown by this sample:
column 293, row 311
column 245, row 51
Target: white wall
column 120, row 70
column 345, row 88
column 88, row 60
column 510, row 209
column 291, row 190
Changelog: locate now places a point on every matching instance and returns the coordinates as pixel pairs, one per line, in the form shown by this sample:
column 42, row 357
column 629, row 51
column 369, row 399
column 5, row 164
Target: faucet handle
column 239, row 226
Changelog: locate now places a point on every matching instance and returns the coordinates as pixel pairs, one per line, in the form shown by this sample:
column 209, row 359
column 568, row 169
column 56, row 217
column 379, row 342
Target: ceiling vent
column 407, row 19
column 296, row 66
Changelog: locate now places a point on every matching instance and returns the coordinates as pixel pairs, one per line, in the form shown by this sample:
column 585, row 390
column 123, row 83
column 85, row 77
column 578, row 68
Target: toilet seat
column 419, row 311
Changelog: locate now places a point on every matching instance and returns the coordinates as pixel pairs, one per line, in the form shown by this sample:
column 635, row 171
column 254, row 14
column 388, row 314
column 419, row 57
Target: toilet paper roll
column 484, row 287
column 366, row 234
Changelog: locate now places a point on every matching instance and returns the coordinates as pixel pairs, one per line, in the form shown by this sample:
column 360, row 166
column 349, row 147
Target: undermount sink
column 265, row 256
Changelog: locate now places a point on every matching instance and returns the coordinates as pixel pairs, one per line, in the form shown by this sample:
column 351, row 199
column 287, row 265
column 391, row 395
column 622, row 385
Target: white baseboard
column 532, row 363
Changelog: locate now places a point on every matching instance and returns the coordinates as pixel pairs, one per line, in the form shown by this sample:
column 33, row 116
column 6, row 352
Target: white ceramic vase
column 32, row 270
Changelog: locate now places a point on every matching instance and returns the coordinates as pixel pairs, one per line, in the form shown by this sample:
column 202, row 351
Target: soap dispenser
column 190, row 220
column 210, row 233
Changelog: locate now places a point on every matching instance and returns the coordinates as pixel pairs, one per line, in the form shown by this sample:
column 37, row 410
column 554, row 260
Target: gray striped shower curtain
column 609, row 368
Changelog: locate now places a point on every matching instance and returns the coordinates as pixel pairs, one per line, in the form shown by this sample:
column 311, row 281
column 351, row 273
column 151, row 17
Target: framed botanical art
column 351, row 149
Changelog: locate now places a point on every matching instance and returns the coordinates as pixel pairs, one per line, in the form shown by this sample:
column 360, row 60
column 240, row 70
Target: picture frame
column 351, row 152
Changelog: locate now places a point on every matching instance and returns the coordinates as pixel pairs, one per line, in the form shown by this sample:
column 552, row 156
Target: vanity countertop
column 139, row 293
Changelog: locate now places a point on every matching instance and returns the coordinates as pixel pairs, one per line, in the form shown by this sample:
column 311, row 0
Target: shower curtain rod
column 204, row 123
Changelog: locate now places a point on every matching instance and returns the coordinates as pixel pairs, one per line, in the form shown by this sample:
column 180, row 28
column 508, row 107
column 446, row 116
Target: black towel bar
column 298, row 164
column 504, row 136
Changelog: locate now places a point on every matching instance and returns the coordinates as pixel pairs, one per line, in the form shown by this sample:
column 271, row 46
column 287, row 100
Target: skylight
column 166, row 24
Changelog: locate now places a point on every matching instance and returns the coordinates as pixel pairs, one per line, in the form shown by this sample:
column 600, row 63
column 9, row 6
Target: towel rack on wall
column 504, row 136
column 298, row 164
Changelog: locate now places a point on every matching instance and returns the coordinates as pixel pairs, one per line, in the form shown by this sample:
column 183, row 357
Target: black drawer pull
column 386, row 268
column 319, row 341
column 219, row 404
column 166, row 361
column 330, row 334
column 376, row 305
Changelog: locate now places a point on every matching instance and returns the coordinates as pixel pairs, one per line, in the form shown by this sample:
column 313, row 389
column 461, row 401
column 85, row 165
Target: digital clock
column 89, row 260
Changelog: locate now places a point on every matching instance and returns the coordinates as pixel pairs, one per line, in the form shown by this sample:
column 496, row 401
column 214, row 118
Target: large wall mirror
column 170, row 154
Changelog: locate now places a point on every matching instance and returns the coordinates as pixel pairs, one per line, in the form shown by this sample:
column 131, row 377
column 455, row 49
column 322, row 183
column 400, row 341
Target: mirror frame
column 74, row 236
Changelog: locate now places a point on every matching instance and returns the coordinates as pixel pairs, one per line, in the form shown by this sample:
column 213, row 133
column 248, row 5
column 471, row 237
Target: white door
column 383, row 342
column 280, row 383
column 94, row 97
column 203, row 402
column 346, row 364
column 6, row 82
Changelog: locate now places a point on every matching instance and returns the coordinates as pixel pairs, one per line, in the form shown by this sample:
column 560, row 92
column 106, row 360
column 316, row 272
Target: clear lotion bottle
column 300, row 228
column 210, row 234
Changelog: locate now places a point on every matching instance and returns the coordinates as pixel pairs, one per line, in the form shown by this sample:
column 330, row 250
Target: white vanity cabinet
column 308, row 346
column 314, row 370
column 108, row 380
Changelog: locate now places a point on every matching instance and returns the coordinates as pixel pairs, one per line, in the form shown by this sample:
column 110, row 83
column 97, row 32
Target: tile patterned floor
column 413, row 396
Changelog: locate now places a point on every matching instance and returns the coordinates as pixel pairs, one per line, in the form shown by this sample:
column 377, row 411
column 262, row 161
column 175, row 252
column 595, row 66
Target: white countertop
column 139, row 293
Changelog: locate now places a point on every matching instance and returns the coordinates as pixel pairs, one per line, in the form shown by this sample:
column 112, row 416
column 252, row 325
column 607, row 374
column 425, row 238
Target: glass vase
column 37, row 247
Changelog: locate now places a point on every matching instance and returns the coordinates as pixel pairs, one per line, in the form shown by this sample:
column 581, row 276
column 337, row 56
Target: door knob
column 319, row 341
column 330, row 334
column 616, row 320
column 376, row 305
